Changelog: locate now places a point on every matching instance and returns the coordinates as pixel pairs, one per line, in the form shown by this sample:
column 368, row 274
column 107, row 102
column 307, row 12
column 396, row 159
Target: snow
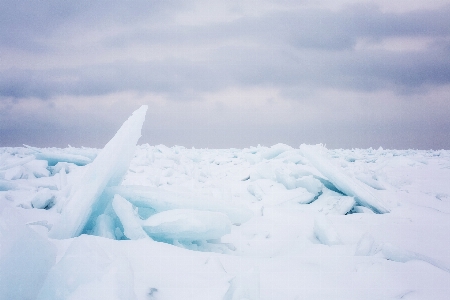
column 158, row 222
column 325, row 232
column 25, row 256
column 88, row 270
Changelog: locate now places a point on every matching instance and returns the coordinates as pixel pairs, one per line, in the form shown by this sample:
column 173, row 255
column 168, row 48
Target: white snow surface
column 255, row 223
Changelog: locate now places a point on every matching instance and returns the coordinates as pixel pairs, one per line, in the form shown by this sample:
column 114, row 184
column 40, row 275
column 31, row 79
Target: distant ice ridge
column 107, row 169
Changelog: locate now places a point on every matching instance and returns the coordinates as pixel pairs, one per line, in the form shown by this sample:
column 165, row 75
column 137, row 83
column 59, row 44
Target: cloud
column 201, row 55
column 314, row 47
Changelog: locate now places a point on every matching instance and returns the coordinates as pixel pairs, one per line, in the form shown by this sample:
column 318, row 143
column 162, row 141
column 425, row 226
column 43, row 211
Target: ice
column 15, row 161
column 330, row 202
column 263, row 170
column 25, row 168
column 256, row 191
column 274, row 193
column 187, row 225
column 90, row 153
column 367, row 246
column 129, row 218
column 275, row 242
column 361, row 210
column 25, row 257
column 104, row 227
column 370, row 181
column 274, row 151
column 38, row 168
column 324, row 231
column 90, row 270
column 53, row 157
column 288, row 181
column 67, row 167
column 107, row 169
column 17, row 172
column 162, row 200
column 310, row 183
column 6, row 185
column 362, row 193
column 44, row 199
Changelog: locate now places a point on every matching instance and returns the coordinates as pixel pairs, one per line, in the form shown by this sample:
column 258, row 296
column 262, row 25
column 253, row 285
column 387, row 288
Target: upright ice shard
column 343, row 182
column 107, row 169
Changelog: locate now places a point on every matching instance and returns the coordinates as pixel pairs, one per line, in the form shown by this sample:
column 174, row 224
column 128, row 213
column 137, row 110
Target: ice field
column 133, row 221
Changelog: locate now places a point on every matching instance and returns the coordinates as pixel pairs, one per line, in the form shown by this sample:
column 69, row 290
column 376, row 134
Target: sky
column 227, row 74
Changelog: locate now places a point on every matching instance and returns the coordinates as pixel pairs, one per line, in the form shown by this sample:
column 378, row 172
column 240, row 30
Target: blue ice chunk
column 187, row 225
column 129, row 218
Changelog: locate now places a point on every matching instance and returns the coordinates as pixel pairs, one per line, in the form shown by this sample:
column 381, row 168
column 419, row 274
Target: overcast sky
column 223, row 74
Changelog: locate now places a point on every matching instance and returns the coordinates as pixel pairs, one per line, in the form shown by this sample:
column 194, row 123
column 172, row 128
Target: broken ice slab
column 53, row 157
column 332, row 203
column 348, row 185
column 44, row 199
column 187, row 225
column 107, row 169
column 90, row 153
column 26, row 169
column 129, row 218
column 162, row 200
column 11, row 163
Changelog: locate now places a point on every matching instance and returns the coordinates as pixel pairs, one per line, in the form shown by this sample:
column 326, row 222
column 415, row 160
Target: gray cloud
column 143, row 47
column 303, row 47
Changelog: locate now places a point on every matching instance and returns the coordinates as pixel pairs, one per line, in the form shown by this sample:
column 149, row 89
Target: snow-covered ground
column 257, row 223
